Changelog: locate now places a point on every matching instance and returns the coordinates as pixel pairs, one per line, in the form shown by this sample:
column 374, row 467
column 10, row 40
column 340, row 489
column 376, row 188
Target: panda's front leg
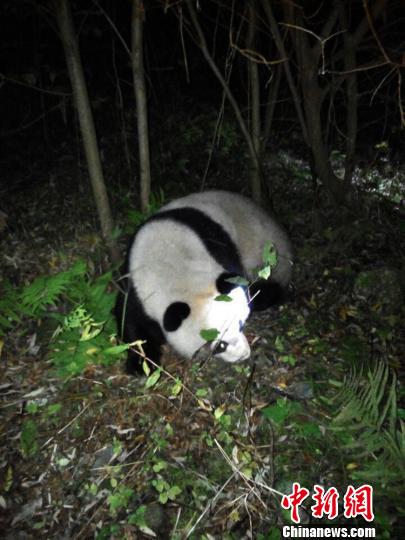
column 134, row 325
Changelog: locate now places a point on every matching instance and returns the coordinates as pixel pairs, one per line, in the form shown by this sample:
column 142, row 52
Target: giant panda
column 181, row 260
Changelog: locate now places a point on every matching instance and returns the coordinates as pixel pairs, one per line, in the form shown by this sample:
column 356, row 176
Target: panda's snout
column 236, row 349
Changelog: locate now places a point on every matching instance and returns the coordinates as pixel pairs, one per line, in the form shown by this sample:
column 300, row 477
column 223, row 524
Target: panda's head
column 228, row 318
column 183, row 323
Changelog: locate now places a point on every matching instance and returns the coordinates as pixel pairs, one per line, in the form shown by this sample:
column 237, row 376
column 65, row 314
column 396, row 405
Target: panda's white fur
column 174, row 267
column 249, row 226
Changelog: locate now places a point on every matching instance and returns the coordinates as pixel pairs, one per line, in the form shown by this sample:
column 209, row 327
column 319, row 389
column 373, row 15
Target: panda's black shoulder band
column 215, row 238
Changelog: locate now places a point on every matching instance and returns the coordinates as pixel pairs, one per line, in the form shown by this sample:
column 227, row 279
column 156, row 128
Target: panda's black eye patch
column 220, row 347
column 175, row 315
column 224, row 286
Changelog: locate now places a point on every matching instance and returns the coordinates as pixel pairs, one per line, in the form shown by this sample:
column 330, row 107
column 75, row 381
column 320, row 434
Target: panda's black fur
column 190, row 222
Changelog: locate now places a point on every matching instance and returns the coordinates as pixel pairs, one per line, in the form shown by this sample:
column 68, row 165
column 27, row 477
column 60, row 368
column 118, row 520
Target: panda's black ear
column 266, row 293
column 223, row 285
column 175, row 315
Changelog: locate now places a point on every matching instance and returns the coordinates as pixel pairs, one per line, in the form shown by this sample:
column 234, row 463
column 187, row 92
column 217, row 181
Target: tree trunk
column 313, row 97
column 312, row 105
column 81, row 100
column 138, row 15
column 351, row 95
column 254, row 84
column 352, row 107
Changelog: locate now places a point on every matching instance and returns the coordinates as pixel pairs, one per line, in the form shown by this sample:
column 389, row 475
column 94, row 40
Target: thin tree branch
column 371, row 25
column 290, row 80
column 204, row 48
column 363, row 27
column 270, row 106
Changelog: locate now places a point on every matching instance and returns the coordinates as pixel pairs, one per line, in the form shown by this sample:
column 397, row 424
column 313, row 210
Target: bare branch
column 401, row 107
column 280, row 46
column 371, row 24
column 364, row 25
column 204, row 48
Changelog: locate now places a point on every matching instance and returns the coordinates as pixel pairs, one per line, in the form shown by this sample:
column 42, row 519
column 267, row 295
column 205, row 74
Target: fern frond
column 45, row 290
column 83, row 335
column 362, row 398
column 368, row 420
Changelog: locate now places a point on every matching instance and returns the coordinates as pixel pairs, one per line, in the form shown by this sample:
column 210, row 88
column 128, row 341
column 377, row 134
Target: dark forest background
column 315, row 78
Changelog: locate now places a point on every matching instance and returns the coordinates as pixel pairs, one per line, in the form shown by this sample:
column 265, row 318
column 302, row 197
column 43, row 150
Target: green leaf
column 146, row 368
column 173, row 492
column 8, row 480
column 159, row 466
column 53, row 409
column 223, row 298
column 160, row 485
column 164, row 497
column 309, row 429
column 279, row 344
column 91, row 330
column 219, row 411
column 210, row 334
column 138, row 518
column 93, row 489
column 269, row 255
column 29, row 432
column 288, row 359
column 281, row 410
column 32, row 408
column 238, row 280
column 153, row 379
column 116, row 349
column 176, row 388
column 120, row 498
column 264, row 273
column 117, row 447
column 169, row 429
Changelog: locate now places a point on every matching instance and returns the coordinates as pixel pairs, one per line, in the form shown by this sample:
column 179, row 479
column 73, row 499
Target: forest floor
column 207, row 450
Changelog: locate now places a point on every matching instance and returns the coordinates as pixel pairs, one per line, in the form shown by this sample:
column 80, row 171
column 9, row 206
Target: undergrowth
column 206, row 451
column 78, row 309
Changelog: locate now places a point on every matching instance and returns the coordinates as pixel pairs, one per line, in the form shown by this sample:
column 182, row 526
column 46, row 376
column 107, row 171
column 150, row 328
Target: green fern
column 85, row 334
column 45, row 290
column 369, row 426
